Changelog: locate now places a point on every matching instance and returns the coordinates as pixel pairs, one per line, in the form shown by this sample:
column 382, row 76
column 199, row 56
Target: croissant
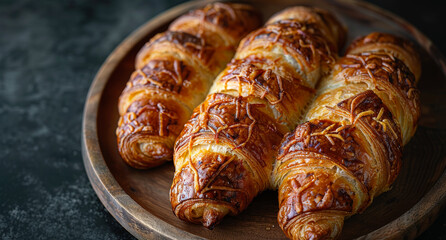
column 223, row 157
column 349, row 149
column 174, row 72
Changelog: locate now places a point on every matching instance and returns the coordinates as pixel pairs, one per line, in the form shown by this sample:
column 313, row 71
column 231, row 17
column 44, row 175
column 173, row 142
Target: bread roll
column 174, row 72
column 349, row 149
column 224, row 155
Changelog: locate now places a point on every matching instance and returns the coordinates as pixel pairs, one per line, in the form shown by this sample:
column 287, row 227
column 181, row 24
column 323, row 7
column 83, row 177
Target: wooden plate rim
column 142, row 224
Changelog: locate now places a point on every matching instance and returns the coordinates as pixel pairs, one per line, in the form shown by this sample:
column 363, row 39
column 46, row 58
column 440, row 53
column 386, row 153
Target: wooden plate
column 139, row 200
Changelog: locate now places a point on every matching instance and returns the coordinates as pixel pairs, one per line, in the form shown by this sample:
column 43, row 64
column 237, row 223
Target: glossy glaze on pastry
column 349, row 149
column 223, row 157
column 174, row 72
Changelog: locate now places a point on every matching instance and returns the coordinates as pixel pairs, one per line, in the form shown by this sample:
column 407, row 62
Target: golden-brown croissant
column 223, row 157
column 174, row 72
column 349, row 149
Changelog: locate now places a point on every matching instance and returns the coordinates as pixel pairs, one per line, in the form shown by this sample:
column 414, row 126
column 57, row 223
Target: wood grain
column 139, row 199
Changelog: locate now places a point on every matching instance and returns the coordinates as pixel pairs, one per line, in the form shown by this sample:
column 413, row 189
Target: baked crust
column 224, row 155
column 349, row 150
column 174, row 72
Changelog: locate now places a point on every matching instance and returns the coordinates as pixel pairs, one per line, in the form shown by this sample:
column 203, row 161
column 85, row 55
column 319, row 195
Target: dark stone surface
column 49, row 54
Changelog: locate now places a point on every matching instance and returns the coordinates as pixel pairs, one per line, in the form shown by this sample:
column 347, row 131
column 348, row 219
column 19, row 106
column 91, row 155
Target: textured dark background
column 49, row 54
